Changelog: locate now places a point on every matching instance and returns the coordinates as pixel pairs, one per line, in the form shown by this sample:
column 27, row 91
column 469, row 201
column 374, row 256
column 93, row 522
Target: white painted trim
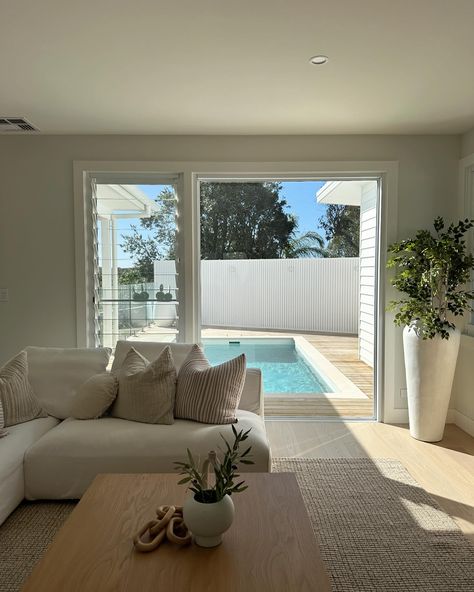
column 387, row 230
column 81, row 191
column 462, row 421
column 188, row 208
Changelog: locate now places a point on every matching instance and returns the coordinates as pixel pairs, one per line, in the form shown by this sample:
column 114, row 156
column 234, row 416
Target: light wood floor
column 342, row 351
column 445, row 469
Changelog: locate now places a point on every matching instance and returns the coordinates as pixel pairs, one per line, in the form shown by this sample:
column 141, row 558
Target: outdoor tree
column 309, row 244
column 341, row 224
column 246, row 220
column 238, row 220
column 152, row 241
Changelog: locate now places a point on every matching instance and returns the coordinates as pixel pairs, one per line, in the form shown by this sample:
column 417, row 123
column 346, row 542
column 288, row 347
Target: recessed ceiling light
column 319, row 60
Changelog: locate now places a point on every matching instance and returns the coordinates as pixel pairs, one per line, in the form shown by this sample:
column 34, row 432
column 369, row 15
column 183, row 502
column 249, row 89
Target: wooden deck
column 342, row 352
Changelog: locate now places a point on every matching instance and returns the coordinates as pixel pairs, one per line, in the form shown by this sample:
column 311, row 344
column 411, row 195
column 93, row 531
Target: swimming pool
column 284, row 368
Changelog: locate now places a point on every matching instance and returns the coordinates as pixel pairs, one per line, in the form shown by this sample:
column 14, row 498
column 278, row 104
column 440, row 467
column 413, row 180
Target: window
column 135, row 275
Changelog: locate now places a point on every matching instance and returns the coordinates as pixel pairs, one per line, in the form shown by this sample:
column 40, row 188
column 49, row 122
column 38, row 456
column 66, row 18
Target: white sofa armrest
column 252, row 395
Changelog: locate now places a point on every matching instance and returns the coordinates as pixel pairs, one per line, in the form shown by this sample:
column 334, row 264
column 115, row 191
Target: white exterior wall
column 368, row 227
column 288, row 294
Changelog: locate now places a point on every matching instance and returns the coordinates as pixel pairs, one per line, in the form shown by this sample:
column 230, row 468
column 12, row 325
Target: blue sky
column 301, row 198
column 299, row 195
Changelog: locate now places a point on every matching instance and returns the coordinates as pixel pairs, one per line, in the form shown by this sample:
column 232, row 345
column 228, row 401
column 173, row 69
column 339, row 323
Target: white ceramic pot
column 430, row 366
column 208, row 522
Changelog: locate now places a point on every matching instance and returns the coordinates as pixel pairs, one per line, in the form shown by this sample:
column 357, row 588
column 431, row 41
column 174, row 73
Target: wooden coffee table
column 270, row 545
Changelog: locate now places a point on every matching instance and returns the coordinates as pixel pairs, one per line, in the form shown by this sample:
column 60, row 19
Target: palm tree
column 309, row 244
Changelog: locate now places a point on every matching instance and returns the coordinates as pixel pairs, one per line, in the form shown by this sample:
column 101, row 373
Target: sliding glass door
column 288, row 277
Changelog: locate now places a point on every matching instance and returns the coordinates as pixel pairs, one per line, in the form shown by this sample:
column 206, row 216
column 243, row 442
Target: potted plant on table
column 209, row 512
column 432, row 270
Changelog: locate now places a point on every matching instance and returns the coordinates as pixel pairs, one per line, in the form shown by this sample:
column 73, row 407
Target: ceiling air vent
column 15, row 124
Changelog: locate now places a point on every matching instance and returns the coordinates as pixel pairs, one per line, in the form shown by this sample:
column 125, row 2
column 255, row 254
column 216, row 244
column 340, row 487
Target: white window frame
column 191, row 173
column 83, row 174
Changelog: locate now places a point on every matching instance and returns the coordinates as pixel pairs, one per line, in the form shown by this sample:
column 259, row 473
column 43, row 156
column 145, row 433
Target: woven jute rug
column 378, row 530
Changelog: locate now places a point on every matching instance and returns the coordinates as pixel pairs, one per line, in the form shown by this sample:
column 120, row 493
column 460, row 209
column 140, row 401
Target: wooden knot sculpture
column 169, row 524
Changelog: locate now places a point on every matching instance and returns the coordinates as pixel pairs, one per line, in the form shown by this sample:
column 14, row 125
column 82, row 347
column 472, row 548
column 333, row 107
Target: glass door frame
column 389, row 379
column 236, row 178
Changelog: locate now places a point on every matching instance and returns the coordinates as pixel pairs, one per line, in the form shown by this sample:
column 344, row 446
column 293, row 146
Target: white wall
column 37, row 249
column 287, row 294
column 462, row 400
column 467, row 143
column 368, row 230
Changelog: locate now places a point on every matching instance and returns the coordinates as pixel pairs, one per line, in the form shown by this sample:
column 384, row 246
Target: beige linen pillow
column 209, row 394
column 17, row 399
column 95, row 396
column 146, row 390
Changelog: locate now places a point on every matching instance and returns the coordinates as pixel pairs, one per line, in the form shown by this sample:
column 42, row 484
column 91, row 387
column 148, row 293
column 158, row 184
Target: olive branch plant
column 433, row 271
column 225, row 470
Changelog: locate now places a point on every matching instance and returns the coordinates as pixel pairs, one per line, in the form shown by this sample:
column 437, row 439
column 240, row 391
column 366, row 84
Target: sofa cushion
column 95, row 396
column 146, row 390
column 12, row 452
column 209, row 394
column 150, row 350
column 252, row 394
column 17, row 399
column 56, row 374
column 65, row 461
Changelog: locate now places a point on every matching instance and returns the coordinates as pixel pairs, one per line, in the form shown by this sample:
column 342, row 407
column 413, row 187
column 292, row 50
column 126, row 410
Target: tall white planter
column 430, row 365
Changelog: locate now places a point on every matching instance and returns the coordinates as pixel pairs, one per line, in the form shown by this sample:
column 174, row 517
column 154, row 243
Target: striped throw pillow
column 209, row 394
column 146, row 391
column 3, row 431
column 17, row 398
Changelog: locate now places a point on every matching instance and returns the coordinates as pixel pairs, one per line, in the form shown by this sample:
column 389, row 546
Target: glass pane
column 137, row 271
column 288, row 279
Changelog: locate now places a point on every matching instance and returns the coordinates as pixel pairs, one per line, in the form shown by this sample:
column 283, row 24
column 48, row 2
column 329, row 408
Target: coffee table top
column 270, row 545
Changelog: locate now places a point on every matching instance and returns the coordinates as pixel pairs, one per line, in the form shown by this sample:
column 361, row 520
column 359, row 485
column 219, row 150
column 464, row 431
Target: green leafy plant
column 432, row 270
column 225, row 471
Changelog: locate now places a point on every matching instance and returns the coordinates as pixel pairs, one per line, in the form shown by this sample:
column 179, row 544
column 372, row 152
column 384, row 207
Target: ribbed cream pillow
column 146, row 390
column 209, row 394
column 17, row 399
column 95, row 396
column 3, row 431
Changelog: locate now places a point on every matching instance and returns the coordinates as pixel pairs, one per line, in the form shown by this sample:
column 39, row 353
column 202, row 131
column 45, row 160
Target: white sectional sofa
column 58, row 457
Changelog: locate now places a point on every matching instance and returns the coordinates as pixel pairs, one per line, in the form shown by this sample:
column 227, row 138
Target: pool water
column 283, row 369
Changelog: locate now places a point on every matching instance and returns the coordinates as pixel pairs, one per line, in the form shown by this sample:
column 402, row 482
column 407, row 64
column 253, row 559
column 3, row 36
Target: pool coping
column 343, row 387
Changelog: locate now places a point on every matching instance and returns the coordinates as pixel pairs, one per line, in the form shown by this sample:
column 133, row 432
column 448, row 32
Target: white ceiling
column 238, row 67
